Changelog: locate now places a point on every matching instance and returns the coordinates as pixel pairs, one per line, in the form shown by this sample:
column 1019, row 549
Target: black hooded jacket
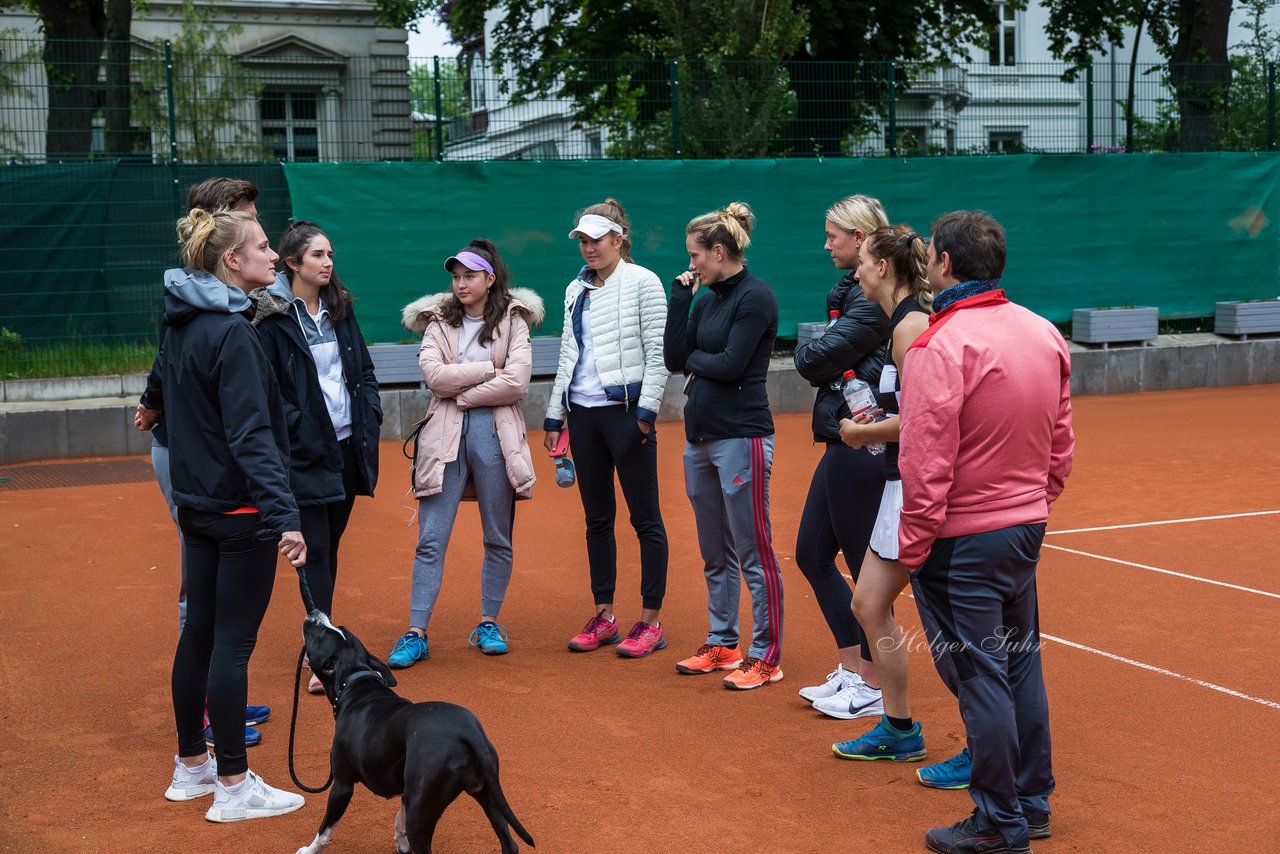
column 315, row 462
column 228, row 442
column 858, row 340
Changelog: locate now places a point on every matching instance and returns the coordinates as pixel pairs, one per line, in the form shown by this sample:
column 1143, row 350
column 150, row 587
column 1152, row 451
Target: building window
column 289, row 127
column 912, row 139
column 478, row 82
column 1003, row 49
column 595, row 151
column 1005, row 142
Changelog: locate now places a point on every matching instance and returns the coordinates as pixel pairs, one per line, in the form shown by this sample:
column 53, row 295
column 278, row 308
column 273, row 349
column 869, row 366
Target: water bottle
column 859, row 397
column 834, row 315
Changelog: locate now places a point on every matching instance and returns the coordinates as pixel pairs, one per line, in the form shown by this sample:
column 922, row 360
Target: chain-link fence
column 171, row 102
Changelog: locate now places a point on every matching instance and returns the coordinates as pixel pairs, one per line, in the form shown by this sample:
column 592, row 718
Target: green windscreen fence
column 83, row 249
column 1179, row 232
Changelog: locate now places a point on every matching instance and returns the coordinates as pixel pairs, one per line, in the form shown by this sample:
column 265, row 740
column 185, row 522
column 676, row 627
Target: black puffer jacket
column 315, row 460
column 859, row 339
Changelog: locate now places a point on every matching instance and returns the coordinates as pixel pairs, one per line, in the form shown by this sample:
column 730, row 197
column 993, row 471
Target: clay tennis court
column 1159, row 657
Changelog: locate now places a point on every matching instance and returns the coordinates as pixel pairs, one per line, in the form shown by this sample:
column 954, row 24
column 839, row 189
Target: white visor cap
column 595, row 227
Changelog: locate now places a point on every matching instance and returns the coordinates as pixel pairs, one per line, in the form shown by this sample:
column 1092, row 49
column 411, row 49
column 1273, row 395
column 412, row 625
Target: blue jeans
column 160, row 462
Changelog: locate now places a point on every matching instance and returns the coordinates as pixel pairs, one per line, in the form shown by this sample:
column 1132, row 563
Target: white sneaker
column 191, row 783
column 254, row 800
column 836, row 679
column 856, row 701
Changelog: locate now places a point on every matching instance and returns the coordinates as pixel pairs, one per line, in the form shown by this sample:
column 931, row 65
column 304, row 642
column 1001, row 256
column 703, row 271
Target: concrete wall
column 34, row 425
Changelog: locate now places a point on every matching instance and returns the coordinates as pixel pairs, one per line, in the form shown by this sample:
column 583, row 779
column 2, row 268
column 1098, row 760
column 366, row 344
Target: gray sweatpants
column 160, row 463
column 727, row 481
column 480, row 459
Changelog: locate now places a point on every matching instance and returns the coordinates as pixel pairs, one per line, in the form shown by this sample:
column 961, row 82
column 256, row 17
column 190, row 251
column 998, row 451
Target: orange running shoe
column 710, row 658
column 752, row 673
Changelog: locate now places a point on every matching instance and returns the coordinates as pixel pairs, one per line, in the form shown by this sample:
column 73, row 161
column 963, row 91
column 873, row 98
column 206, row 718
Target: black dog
column 427, row 753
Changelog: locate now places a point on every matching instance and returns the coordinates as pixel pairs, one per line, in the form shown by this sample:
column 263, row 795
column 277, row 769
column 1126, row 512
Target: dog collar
column 346, row 684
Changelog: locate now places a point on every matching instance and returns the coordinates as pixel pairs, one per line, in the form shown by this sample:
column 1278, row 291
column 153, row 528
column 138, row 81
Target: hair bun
column 741, row 212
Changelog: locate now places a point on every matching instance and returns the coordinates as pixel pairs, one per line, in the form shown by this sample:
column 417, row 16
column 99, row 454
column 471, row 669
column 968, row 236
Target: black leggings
column 322, row 528
column 844, row 499
column 230, row 573
column 603, row 439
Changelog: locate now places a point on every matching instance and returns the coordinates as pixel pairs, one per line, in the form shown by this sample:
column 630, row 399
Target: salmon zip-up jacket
column 986, row 439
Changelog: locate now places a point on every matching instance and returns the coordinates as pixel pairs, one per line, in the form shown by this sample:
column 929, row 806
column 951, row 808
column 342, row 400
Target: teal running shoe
column 884, row 742
column 951, row 774
column 410, row 648
column 490, row 637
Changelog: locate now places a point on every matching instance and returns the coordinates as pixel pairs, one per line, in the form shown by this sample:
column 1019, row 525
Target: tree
column 422, row 99
column 211, row 93
column 73, row 38
column 546, row 45
column 1190, row 34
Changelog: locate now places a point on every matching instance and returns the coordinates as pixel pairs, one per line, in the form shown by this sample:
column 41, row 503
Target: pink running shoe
column 597, row 631
column 643, row 639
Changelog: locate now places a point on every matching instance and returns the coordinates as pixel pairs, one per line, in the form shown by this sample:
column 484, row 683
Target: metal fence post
column 439, row 95
column 173, row 116
column 1271, row 106
column 1088, row 108
column 675, row 108
column 893, row 110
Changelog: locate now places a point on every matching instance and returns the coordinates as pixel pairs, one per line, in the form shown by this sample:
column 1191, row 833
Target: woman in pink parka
column 476, row 360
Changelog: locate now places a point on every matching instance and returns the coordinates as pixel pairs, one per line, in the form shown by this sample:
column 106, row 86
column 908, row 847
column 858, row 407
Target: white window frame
column 1003, row 47
column 290, row 123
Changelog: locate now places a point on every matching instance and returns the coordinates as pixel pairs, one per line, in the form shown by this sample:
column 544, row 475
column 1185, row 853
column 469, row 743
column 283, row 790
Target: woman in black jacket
column 722, row 342
column 227, row 452
column 330, row 396
column 844, row 495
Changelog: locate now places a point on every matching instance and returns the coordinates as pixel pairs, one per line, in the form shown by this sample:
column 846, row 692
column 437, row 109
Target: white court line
column 1161, row 671
column 1163, row 571
column 1163, row 522
column 1150, row 667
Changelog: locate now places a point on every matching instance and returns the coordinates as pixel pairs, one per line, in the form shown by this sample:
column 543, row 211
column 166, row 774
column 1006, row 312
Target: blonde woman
column 722, row 342
column 608, row 388
column 844, row 493
column 228, row 461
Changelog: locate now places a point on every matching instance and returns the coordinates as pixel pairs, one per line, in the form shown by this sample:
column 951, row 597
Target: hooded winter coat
column 228, row 441
column 315, row 460
column 500, row 384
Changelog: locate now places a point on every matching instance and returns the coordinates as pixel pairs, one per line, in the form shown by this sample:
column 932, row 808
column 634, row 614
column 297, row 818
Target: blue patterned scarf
column 963, row 290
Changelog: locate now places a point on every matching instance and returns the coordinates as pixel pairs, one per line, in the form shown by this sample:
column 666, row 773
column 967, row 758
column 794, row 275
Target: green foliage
column 454, row 103
column 76, row 358
column 401, row 14
column 213, row 94
column 10, row 343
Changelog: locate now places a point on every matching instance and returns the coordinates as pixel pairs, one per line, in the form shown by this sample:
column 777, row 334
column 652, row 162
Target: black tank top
column 891, row 384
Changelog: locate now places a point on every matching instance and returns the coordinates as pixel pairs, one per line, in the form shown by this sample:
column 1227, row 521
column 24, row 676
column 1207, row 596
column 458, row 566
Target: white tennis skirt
column 884, row 536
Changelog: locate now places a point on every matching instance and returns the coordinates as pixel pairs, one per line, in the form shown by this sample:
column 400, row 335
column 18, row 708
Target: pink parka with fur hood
column 501, row 384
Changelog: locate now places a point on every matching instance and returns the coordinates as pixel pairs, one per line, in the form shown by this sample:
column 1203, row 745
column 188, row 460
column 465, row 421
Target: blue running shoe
column 490, row 637
column 254, row 715
column 251, row 736
column 951, row 774
column 410, row 648
column 884, row 742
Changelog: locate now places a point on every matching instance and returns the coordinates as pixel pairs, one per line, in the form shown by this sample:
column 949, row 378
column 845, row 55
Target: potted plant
column 1247, row 317
column 1107, row 326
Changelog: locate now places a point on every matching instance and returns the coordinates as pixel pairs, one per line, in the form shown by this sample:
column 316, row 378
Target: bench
column 397, row 364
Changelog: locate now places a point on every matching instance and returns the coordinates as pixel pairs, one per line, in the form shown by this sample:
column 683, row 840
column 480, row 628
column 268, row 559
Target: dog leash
column 293, row 725
column 297, row 684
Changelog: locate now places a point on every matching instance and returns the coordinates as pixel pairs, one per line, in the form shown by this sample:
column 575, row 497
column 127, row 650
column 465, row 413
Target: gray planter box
column 1114, row 325
column 1247, row 318
column 809, row 331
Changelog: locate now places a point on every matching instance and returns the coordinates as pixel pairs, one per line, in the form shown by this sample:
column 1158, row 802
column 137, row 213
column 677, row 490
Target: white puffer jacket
column 628, row 315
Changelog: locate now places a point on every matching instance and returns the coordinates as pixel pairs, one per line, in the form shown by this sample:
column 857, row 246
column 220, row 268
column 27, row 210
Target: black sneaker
column 1037, row 824
column 970, row 837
